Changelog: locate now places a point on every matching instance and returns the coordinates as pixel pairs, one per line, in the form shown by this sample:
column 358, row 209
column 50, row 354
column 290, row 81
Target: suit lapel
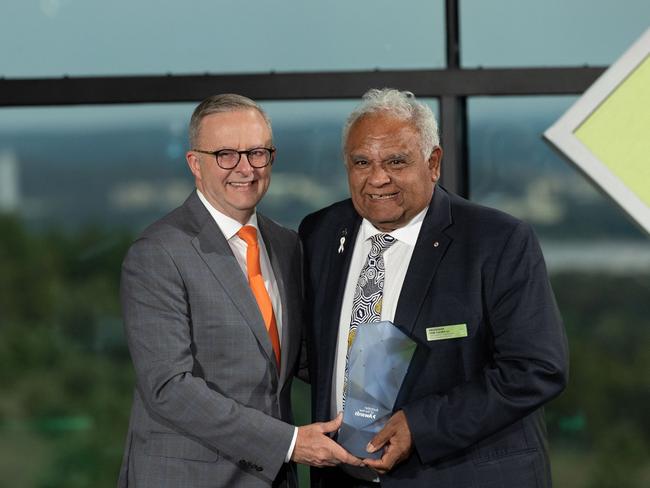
column 339, row 248
column 213, row 248
column 287, row 291
column 429, row 250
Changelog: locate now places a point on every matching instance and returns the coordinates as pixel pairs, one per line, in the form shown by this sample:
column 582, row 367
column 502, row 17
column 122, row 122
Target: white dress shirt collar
column 407, row 234
column 229, row 226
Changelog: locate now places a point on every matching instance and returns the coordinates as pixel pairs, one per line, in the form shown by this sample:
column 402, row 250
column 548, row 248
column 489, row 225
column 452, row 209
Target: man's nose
column 378, row 175
column 244, row 165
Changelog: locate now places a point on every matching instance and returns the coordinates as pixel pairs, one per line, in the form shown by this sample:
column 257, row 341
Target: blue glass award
column 379, row 358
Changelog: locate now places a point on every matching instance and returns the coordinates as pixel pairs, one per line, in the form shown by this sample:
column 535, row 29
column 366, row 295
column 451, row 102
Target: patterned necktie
column 248, row 233
column 368, row 294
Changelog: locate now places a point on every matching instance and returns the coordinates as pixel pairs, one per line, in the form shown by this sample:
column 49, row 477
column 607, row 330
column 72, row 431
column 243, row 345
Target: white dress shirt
column 229, row 228
column 396, row 262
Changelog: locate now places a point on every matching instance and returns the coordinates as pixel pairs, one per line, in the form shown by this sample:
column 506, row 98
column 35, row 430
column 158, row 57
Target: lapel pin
column 436, row 244
column 344, row 233
column 342, row 244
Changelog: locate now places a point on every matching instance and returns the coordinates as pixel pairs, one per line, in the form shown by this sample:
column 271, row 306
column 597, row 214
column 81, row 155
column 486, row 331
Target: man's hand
column 396, row 439
column 315, row 448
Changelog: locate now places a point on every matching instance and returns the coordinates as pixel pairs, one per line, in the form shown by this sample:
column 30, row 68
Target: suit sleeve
column 529, row 359
column 157, row 323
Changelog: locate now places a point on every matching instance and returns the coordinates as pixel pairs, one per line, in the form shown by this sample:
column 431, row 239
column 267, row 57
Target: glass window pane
column 109, row 166
column 599, row 264
column 124, row 165
column 76, row 185
column 49, row 38
column 555, row 32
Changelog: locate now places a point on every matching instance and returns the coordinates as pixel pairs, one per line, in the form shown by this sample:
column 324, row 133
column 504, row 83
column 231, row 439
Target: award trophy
column 379, row 358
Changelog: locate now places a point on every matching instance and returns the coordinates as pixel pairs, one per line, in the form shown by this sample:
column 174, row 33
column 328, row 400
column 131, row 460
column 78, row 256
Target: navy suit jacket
column 473, row 404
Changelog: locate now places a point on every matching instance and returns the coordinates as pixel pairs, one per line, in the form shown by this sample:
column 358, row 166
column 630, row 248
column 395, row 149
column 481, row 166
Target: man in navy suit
column 467, row 282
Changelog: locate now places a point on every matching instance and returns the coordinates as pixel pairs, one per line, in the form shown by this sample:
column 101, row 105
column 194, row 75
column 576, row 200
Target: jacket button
column 259, row 468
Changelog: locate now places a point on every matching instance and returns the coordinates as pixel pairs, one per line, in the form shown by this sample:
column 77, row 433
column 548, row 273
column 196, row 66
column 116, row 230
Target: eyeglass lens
column 258, row 157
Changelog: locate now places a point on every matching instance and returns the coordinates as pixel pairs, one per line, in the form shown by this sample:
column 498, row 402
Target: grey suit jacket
column 210, row 407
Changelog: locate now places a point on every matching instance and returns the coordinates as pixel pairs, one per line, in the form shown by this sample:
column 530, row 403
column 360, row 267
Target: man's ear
column 434, row 163
column 194, row 164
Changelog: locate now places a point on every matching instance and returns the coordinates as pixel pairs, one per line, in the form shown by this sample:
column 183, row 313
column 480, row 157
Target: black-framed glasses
column 258, row 157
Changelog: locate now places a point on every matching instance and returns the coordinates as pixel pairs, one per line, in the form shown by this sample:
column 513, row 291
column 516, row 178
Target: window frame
column 451, row 86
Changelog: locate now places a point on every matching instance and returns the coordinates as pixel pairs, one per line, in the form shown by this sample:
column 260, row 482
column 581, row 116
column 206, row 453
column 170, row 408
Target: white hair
column 402, row 105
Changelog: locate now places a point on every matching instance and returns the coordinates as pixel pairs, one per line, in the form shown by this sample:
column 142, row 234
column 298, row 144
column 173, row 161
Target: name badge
column 446, row 332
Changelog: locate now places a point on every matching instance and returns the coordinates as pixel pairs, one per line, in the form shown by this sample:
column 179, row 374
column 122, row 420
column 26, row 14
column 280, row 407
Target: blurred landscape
column 71, row 201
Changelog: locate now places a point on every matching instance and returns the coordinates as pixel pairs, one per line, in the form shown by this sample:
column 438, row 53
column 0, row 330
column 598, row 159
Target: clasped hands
column 315, row 448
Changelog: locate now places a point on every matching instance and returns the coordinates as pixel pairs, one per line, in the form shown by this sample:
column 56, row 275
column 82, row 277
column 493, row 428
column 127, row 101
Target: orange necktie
column 248, row 233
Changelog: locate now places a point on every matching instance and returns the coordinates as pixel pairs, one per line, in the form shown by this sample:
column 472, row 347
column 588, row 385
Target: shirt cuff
column 293, row 444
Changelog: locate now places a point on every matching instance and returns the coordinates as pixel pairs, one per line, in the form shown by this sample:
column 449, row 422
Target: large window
column 550, row 33
column 50, row 38
column 599, row 264
column 77, row 183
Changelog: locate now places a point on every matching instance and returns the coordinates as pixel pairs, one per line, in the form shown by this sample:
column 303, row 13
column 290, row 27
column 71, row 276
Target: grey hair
column 402, row 105
column 227, row 102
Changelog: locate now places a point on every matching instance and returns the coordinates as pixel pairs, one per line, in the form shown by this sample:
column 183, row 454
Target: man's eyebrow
column 396, row 156
column 399, row 155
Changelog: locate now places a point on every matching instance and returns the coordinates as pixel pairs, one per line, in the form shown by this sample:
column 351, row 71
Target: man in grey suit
column 211, row 298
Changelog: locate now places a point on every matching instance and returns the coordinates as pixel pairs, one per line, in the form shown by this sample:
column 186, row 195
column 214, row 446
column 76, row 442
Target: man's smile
column 242, row 184
column 382, row 196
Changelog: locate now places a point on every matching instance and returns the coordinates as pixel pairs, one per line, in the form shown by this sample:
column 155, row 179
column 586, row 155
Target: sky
column 45, row 38
column 52, row 38
column 550, row 32
column 159, row 36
